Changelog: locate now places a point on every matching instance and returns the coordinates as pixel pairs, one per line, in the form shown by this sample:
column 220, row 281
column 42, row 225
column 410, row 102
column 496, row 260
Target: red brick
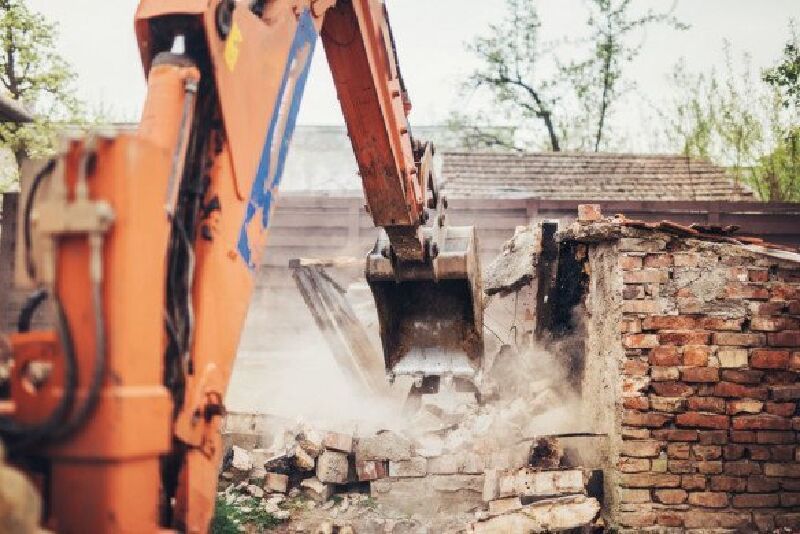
column 636, row 403
column 668, row 404
column 784, row 409
column 758, row 275
column 702, row 420
column 785, row 393
column 630, row 325
column 634, row 496
column 658, row 261
column 769, row 308
column 727, row 483
column 742, row 468
column 646, row 276
column 669, row 434
column 670, row 519
column 708, row 520
column 635, row 368
column 743, row 436
column 686, row 259
column 670, row 496
column 680, row 451
column 700, row 374
column 713, row 437
column 769, row 359
column 773, row 324
column 631, row 293
column 776, row 377
column 681, row 466
column 669, row 322
column 637, row 519
column 720, row 323
column 775, row 437
column 794, row 362
column 761, row 484
column 665, row 356
column 746, row 291
column 761, row 422
column 793, row 307
column 743, row 376
column 756, row 500
column 706, row 404
column 633, row 465
column 644, row 419
column 693, row 482
column 788, row 338
column 744, row 406
column 738, row 340
column 672, row 389
column 696, row 355
column 683, row 337
column 782, row 453
column 790, row 500
column 650, row 480
column 784, row 292
column 640, row 341
column 782, row 470
column 709, row 467
column 642, row 306
column 709, row 499
column 630, row 263
column 707, row 452
column 664, row 374
column 640, row 449
column 731, row 390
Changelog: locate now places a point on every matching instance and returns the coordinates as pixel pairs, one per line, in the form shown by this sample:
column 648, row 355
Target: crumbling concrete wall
column 706, row 336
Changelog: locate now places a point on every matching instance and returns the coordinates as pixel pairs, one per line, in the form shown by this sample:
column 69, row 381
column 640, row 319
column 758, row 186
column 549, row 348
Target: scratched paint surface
column 252, row 236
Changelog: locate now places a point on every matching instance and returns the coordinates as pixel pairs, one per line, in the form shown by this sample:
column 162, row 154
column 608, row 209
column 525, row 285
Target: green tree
column 33, row 73
column 736, row 119
column 571, row 102
column 785, row 77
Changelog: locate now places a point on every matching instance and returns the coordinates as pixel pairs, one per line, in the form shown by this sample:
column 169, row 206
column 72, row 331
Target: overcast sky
column 97, row 38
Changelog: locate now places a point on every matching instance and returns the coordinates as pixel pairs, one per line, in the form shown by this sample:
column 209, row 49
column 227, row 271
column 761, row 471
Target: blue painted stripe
column 264, row 189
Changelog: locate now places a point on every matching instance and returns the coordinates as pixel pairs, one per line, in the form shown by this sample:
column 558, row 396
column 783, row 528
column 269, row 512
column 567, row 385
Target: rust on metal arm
column 360, row 50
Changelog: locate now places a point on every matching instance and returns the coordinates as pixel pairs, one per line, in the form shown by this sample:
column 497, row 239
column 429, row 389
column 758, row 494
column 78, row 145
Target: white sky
column 97, row 38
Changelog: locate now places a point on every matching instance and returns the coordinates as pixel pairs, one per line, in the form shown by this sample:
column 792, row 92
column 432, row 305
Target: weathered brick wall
column 708, row 410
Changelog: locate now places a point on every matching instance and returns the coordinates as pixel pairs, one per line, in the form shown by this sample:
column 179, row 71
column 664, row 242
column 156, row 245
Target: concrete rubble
column 474, row 467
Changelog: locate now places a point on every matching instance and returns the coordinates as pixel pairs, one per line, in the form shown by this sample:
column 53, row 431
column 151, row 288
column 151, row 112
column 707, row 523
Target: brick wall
column 706, row 384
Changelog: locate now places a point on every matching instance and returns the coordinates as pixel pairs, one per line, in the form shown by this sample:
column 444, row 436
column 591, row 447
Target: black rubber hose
column 32, row 303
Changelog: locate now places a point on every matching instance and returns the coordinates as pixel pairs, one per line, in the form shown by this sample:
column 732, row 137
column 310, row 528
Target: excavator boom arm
column 156, row 235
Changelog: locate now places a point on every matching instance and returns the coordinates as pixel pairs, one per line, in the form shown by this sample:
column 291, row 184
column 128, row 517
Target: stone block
column 332, row 467
column 276, row 483
column 316, row 490
column 430, row 495
column 367, row 470
column 415, row 467
column 386, row 445
column 337, row 441
column 502, row 506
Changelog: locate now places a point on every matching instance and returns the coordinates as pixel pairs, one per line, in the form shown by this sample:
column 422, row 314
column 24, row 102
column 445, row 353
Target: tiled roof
column 596, row 176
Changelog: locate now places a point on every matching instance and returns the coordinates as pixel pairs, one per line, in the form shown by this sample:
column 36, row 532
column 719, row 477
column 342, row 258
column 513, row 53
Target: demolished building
column 683, row 345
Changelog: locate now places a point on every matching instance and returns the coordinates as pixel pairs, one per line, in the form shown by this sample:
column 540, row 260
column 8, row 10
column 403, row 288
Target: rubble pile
column 456, row 465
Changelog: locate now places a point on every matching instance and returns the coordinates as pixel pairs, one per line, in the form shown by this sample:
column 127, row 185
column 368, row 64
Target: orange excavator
column 146, row 244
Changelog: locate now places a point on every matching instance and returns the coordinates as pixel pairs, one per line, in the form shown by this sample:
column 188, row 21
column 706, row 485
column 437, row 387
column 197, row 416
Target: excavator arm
column 147, row 243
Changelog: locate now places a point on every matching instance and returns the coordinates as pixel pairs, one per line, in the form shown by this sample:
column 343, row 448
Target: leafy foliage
column 734, row 119
column 227, row 517
column 33, row 73
column 532, row 89
column 785, row 77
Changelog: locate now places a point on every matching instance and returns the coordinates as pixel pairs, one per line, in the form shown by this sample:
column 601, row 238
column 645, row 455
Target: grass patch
column 228, row 517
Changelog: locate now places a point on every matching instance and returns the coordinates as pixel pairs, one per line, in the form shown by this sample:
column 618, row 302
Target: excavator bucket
column 431, row 312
